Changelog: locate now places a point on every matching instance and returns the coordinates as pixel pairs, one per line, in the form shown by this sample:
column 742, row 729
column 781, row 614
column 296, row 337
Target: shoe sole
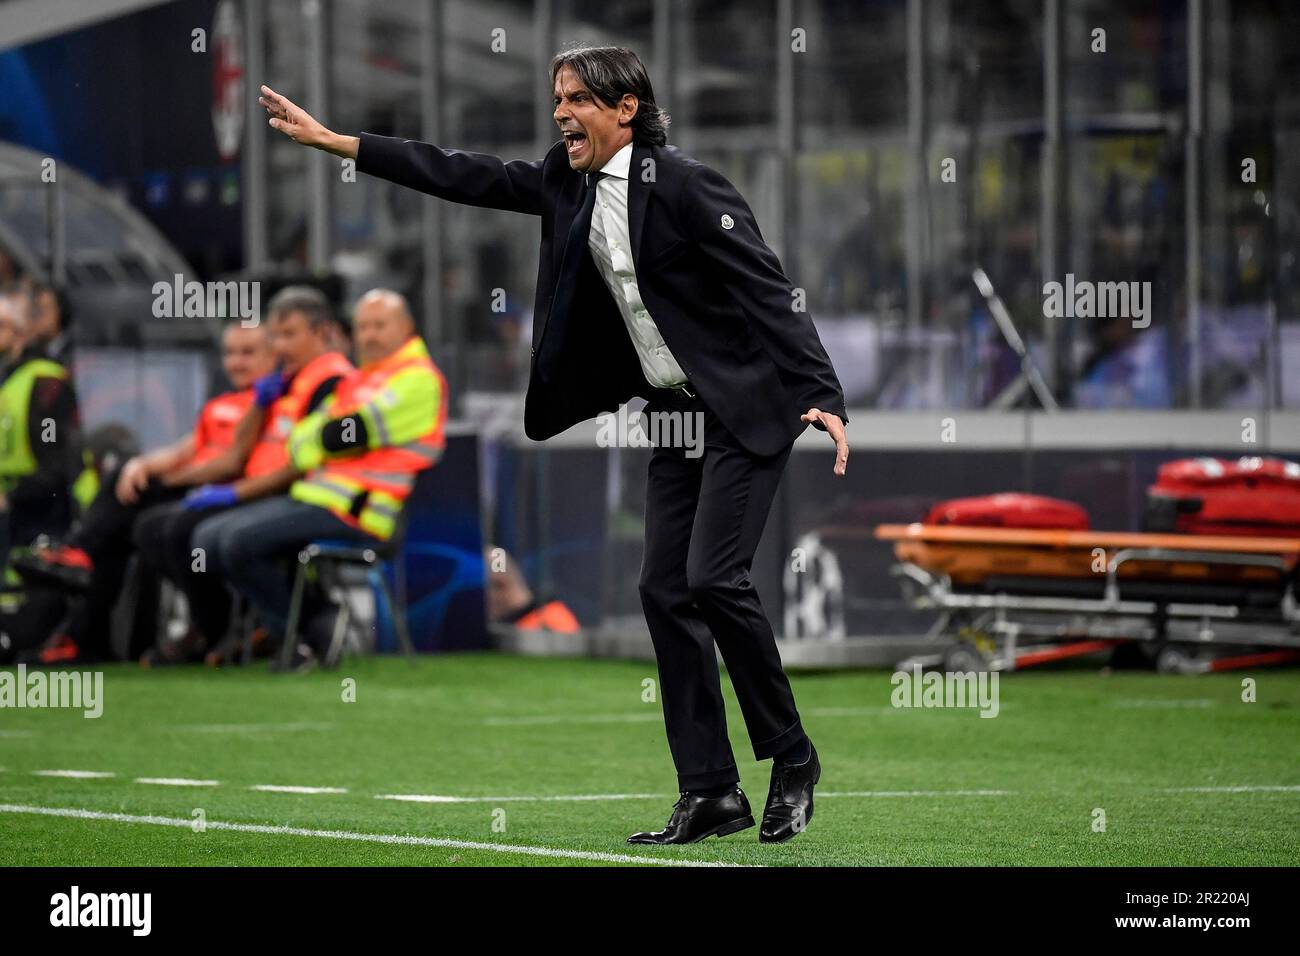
column 45, row 576
column 735, row 826
column 725, row 829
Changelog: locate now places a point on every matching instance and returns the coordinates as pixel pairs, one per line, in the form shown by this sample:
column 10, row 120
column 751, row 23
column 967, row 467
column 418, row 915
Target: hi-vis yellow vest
column 16, row 457
column 402, row 401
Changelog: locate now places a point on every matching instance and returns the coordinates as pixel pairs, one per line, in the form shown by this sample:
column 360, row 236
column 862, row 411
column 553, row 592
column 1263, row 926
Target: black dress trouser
column 104, row 532
column 163, row 535
column 704, row 517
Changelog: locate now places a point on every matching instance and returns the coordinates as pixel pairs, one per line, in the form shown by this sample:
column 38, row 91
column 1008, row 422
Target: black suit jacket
column 714, row 288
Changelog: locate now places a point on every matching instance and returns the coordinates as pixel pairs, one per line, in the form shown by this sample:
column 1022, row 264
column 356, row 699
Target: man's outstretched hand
column 835, row 428
column 296, row 123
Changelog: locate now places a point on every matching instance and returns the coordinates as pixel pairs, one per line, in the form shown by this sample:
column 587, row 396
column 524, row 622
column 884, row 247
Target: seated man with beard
column 301, row 324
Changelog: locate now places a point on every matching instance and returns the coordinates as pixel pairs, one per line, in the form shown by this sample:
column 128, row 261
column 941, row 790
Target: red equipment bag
column 1251, row 496
column 1010, row 510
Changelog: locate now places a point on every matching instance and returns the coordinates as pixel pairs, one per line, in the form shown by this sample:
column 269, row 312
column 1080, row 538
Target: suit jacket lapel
column 638, row 195
column 565, row 212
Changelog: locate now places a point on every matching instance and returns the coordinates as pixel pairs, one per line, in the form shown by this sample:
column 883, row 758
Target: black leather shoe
column 696, row 817
column 790, row 799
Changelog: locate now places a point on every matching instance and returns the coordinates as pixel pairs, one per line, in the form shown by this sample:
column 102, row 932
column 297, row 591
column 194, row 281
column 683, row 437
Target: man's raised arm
column 474, row 179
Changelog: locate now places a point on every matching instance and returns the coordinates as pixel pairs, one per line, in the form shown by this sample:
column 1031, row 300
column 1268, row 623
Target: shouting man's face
column 593, row 132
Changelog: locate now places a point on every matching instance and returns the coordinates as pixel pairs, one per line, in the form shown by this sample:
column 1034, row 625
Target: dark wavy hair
column 308, row 300
column 609, row 72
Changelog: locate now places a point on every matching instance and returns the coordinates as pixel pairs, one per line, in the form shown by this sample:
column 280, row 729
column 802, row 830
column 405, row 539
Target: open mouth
column 574, row 141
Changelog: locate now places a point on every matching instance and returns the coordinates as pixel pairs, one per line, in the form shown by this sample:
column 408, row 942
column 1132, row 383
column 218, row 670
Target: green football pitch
column 481, row 759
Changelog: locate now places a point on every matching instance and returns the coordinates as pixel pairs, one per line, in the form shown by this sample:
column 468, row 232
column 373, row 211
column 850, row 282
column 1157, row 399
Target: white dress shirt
column 611, row 248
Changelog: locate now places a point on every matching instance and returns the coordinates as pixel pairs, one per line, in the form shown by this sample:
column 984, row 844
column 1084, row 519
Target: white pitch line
column 1248, row 789
column 527, row 720
column 75, row 774
column 917, row 793
column 655, row 717
column 254, row 728
column 17, row 733
column 387, row 838
column 440, row 798
column 276, row 788
column 1158, row 704
column 177, row 782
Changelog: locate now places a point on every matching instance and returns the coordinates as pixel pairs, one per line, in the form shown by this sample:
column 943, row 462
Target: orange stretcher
column 1015, row 597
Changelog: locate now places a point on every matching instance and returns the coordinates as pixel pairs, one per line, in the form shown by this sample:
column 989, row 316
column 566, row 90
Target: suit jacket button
column 532, row 351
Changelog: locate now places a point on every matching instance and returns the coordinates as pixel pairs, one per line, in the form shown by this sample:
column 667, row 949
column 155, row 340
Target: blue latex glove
column 210, row 496
column 268, row 388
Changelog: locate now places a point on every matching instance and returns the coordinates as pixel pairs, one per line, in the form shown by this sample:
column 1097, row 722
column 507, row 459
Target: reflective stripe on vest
column 386, row 474
column 390, row 469
column 378, row 515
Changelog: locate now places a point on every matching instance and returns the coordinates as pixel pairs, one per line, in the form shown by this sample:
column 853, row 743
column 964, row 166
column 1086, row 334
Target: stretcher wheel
column 1132, row 655
column 1172, row 659
column 964, row 657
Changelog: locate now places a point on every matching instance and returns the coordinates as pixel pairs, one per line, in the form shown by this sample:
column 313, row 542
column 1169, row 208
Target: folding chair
column 373, row 556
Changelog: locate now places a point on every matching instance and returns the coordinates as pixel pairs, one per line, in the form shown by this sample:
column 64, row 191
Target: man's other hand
column 131, row 481
column 834, row 427
column 296, row 123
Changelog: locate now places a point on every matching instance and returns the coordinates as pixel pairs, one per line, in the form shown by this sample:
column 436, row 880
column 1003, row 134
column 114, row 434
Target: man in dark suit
column 654, row 281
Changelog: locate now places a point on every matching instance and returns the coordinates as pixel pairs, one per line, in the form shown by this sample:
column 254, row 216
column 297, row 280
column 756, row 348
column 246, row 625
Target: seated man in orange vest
column 358, row 456
column 300, row 322
column 94, row 556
